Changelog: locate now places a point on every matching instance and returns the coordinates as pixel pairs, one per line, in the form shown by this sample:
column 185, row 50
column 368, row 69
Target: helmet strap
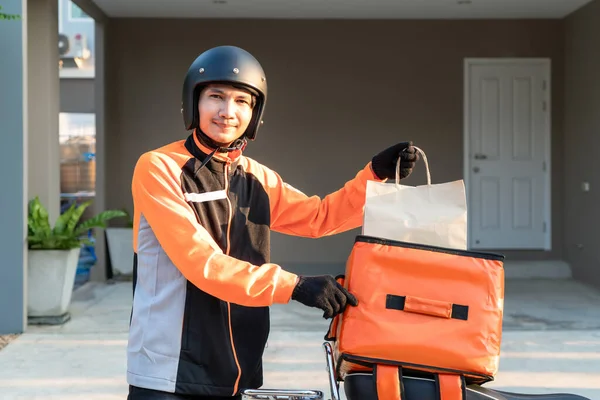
column 238, row 144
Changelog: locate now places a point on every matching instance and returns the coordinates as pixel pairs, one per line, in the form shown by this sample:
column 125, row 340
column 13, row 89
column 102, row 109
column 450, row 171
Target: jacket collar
column 213, row 159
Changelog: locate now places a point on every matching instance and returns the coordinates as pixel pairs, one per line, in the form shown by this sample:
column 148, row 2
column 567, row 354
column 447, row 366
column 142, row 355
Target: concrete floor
column 551, row 343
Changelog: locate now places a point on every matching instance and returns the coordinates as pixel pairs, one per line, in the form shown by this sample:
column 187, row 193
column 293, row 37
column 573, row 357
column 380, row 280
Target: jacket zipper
column 237, row 363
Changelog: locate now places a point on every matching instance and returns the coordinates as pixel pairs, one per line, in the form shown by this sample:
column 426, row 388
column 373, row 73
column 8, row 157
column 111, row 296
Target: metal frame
column 292, row 394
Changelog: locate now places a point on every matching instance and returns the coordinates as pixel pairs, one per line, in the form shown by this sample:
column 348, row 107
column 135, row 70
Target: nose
column 227, row 109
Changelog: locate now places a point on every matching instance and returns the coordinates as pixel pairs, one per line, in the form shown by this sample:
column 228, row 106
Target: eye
column 215, row 96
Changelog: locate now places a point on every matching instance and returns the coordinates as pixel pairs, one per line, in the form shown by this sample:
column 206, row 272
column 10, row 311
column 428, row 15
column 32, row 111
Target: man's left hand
column 384, row 163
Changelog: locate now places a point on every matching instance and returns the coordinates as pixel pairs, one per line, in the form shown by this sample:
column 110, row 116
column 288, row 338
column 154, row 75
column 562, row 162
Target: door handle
column 480, row 156
column 476, row 169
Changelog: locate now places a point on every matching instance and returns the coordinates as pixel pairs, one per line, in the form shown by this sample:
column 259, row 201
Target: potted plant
column 53, row 255
column 119, row 241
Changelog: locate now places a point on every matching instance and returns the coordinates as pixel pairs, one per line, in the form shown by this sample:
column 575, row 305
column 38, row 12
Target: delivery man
column 203, row 282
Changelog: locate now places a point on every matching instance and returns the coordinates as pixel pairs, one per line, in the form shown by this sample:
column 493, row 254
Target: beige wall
column 43, row 93
column 339, row 92
column 582, row 142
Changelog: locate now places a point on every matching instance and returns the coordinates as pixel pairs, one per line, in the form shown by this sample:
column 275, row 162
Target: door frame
column 546, row 63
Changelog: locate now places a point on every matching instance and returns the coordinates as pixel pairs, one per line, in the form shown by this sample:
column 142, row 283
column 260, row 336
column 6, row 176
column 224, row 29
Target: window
column 77, row 14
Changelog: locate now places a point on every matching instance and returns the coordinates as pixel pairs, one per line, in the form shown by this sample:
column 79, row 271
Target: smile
column 225, row 126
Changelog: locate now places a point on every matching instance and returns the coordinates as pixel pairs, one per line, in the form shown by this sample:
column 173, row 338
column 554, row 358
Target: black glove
column 384, row 163
column 323, row 292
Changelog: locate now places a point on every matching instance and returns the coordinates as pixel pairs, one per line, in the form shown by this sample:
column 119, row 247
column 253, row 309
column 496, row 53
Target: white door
column 507, row 153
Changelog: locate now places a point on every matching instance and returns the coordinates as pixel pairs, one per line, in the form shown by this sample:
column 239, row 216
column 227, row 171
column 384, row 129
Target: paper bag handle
column 422, row 153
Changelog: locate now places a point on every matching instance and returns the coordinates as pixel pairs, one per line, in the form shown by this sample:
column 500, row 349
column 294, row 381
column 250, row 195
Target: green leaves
column 99, row 221
column 4, row 16
column 68, row 232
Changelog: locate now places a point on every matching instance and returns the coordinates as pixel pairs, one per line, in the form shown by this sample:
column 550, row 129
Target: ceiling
column 341, row 9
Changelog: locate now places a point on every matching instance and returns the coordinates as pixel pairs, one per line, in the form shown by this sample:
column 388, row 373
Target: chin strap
column 238, row 144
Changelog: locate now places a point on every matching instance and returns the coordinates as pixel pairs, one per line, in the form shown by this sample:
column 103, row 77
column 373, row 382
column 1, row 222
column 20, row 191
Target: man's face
column 224, row 112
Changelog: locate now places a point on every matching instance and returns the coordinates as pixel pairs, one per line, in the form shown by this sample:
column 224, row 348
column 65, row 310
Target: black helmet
column 229, row 65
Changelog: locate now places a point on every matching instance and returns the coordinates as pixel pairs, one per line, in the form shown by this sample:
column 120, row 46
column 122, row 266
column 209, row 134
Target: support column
column 13, row 168
column 44, row 104
column 99, row 272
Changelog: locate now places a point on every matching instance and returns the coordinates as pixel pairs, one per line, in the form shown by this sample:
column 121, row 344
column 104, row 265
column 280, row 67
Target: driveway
column 551, row 343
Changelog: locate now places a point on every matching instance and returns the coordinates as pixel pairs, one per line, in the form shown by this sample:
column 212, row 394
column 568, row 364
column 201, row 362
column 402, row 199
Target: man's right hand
column 323, row 292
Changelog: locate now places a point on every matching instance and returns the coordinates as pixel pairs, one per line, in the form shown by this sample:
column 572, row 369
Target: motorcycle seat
column 361, row 386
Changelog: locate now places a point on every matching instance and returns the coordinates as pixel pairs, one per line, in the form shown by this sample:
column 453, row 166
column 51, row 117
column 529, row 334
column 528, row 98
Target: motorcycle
column 361, row 386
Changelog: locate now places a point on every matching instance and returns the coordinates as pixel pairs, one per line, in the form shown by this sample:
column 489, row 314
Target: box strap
column 389, row 385
column 451, row 387
column 388, row 381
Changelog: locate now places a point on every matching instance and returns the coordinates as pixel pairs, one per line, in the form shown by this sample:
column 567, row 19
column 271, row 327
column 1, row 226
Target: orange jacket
column 207, row 230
